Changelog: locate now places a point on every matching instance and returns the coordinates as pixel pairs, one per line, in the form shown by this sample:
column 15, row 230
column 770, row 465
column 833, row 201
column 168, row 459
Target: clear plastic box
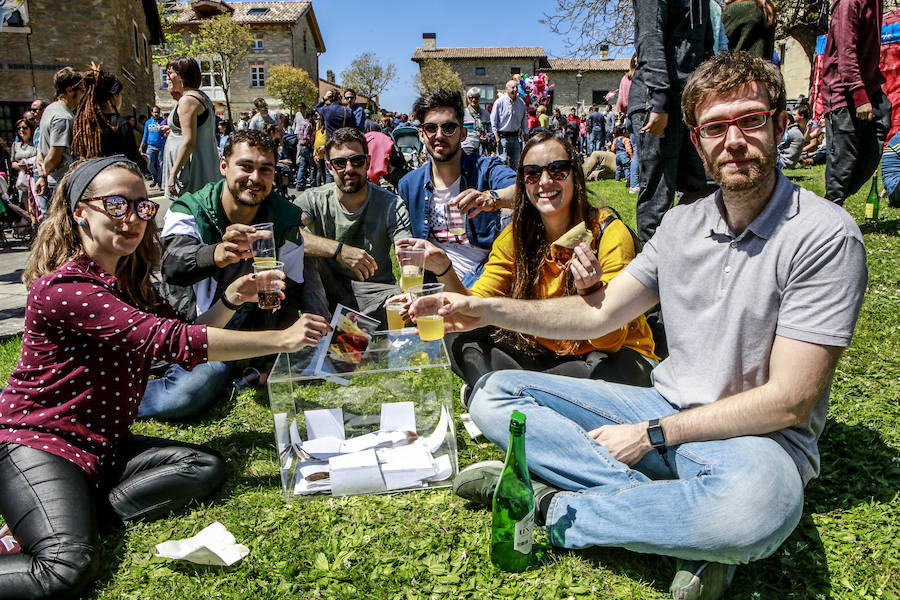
column 312, row 391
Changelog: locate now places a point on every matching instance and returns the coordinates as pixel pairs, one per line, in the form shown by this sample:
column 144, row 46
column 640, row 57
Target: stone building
column 599, row 76
column 43, row 36
column 283, row 33
column 489, row 68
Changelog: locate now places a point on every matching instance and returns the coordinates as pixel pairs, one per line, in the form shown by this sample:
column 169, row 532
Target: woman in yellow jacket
column 551, row 199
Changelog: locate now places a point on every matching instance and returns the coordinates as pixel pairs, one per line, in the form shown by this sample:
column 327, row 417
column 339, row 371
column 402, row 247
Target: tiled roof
column 495, row 52
column 588, row 64
column 279, row 12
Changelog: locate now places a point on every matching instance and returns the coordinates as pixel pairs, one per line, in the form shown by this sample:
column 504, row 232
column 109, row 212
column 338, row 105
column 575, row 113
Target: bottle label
column 870, row 210
column 524, row 533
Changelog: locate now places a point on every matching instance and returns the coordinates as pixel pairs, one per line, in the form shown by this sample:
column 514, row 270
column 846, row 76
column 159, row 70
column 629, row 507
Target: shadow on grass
column 891, row 227
column 857, row 468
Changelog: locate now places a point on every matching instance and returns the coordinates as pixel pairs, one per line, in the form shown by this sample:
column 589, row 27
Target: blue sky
column 393, row 30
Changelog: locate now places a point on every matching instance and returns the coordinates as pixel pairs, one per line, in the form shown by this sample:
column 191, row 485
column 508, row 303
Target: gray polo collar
column 782, row 205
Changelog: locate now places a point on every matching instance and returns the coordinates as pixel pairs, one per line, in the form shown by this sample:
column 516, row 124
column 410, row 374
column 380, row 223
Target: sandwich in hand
column 562, row 251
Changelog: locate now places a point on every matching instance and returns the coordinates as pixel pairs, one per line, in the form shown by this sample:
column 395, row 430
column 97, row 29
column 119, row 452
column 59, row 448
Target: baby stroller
column 15, row 223
column 407, row 140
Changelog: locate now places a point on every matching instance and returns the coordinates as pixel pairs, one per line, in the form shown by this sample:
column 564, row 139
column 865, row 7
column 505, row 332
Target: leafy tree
column 174, row 43
column 292, row 85
column 586, row 25
column 227, row 43
column 434, row 73
column 368, row 76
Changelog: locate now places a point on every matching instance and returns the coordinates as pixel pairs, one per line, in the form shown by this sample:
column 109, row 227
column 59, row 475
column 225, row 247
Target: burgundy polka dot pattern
column 86, row 356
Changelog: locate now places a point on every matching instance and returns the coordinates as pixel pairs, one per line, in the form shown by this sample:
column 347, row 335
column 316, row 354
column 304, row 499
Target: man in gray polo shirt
column 761, row 285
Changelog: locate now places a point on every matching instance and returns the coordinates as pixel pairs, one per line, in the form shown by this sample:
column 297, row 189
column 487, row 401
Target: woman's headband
column 85, row 173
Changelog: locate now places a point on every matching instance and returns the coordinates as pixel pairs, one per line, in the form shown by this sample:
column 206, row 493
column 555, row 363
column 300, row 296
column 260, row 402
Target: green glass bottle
column 872, row 201
column 512, row 529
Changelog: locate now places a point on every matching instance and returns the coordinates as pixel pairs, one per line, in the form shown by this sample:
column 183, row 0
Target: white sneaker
column 464, row 395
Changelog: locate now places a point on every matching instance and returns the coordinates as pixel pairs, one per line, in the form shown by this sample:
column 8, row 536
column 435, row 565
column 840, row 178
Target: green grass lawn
column 434, row 545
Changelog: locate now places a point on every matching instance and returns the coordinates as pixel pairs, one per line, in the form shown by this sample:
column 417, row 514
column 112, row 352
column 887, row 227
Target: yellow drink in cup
column 431, row 328
column 427, row 299
column 457, row 231
column 412, row 267
column 394, row 318
column 411, row 275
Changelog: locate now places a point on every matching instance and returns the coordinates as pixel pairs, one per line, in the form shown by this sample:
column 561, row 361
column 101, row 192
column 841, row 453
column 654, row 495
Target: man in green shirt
column 351, row 226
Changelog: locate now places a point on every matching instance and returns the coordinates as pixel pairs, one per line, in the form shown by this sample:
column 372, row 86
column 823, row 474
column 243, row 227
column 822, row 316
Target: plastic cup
column 394, row 312
column 267, row 287
column 412, row 267
column 262, row 243
column 428, row 298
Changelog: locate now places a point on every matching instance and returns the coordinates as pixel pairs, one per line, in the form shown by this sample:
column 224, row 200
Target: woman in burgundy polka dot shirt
column 93, row 324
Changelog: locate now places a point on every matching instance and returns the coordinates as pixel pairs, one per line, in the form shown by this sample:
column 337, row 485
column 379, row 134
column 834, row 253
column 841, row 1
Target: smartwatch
column 657, row 436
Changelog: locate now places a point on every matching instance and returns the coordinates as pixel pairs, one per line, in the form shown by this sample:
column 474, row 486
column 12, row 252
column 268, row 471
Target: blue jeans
column 509, row 150
column 182, row 393
column 306, row 171
column 596, row 140
column 729, row 501
column 623, row 166
column 154, row 163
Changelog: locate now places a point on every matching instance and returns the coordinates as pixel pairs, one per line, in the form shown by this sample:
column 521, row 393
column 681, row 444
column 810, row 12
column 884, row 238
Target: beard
column 352, row 186
column 236, row 190
column 748, row 177
column 444, row 155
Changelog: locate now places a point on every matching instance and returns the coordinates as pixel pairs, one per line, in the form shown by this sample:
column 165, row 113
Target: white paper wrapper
column 213, row 546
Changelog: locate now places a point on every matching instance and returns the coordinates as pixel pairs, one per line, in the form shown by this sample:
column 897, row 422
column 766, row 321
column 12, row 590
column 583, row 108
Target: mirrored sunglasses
column 118, row 206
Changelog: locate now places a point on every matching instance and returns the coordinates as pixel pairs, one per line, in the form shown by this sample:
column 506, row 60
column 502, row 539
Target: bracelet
column 228, row 304
column 447, row 270
column 337, row 252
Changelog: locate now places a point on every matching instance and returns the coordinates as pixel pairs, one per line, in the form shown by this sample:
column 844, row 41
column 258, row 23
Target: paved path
column 12, row 290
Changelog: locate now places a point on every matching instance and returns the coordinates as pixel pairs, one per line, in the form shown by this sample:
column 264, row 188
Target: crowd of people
column 697, row 448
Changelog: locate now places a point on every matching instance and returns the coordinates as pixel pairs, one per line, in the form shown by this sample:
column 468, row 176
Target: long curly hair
column 531, row 246
column 58, row 242
column 100, row 90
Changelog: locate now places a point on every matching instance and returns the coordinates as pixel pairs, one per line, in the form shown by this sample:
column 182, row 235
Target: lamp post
column 578, row 77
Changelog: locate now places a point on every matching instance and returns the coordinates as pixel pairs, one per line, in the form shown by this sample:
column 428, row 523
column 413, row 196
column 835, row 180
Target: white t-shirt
column 464, row 257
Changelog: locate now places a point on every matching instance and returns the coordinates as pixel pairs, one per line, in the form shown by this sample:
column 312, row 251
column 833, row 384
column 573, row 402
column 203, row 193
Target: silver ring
column 592, row 272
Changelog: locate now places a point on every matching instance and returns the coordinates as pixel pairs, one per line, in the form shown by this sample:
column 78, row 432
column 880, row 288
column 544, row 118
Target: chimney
column 604, row 52
column 429, row 41
column 329, row 76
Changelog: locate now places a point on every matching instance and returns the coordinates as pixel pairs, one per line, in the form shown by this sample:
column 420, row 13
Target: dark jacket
column 194, row 226
column 671, row 38
column 851, row 75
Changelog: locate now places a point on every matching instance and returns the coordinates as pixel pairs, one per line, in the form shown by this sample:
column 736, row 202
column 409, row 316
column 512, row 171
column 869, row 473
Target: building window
column 598, row 97
column 487, row 94
column 257, row 43
column 210, row 75
column 137, row 44
column 257, row 75
column 146, row 52
column 162, row 76
column 515, row 70
column 479, row 71
column 15, row 18
column 257, row 11
column 304, row 43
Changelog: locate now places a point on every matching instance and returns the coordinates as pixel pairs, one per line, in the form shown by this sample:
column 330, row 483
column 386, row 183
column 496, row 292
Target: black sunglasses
column 447, row 129
column 118, row 206
column 558, row 170
column 340, row 162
